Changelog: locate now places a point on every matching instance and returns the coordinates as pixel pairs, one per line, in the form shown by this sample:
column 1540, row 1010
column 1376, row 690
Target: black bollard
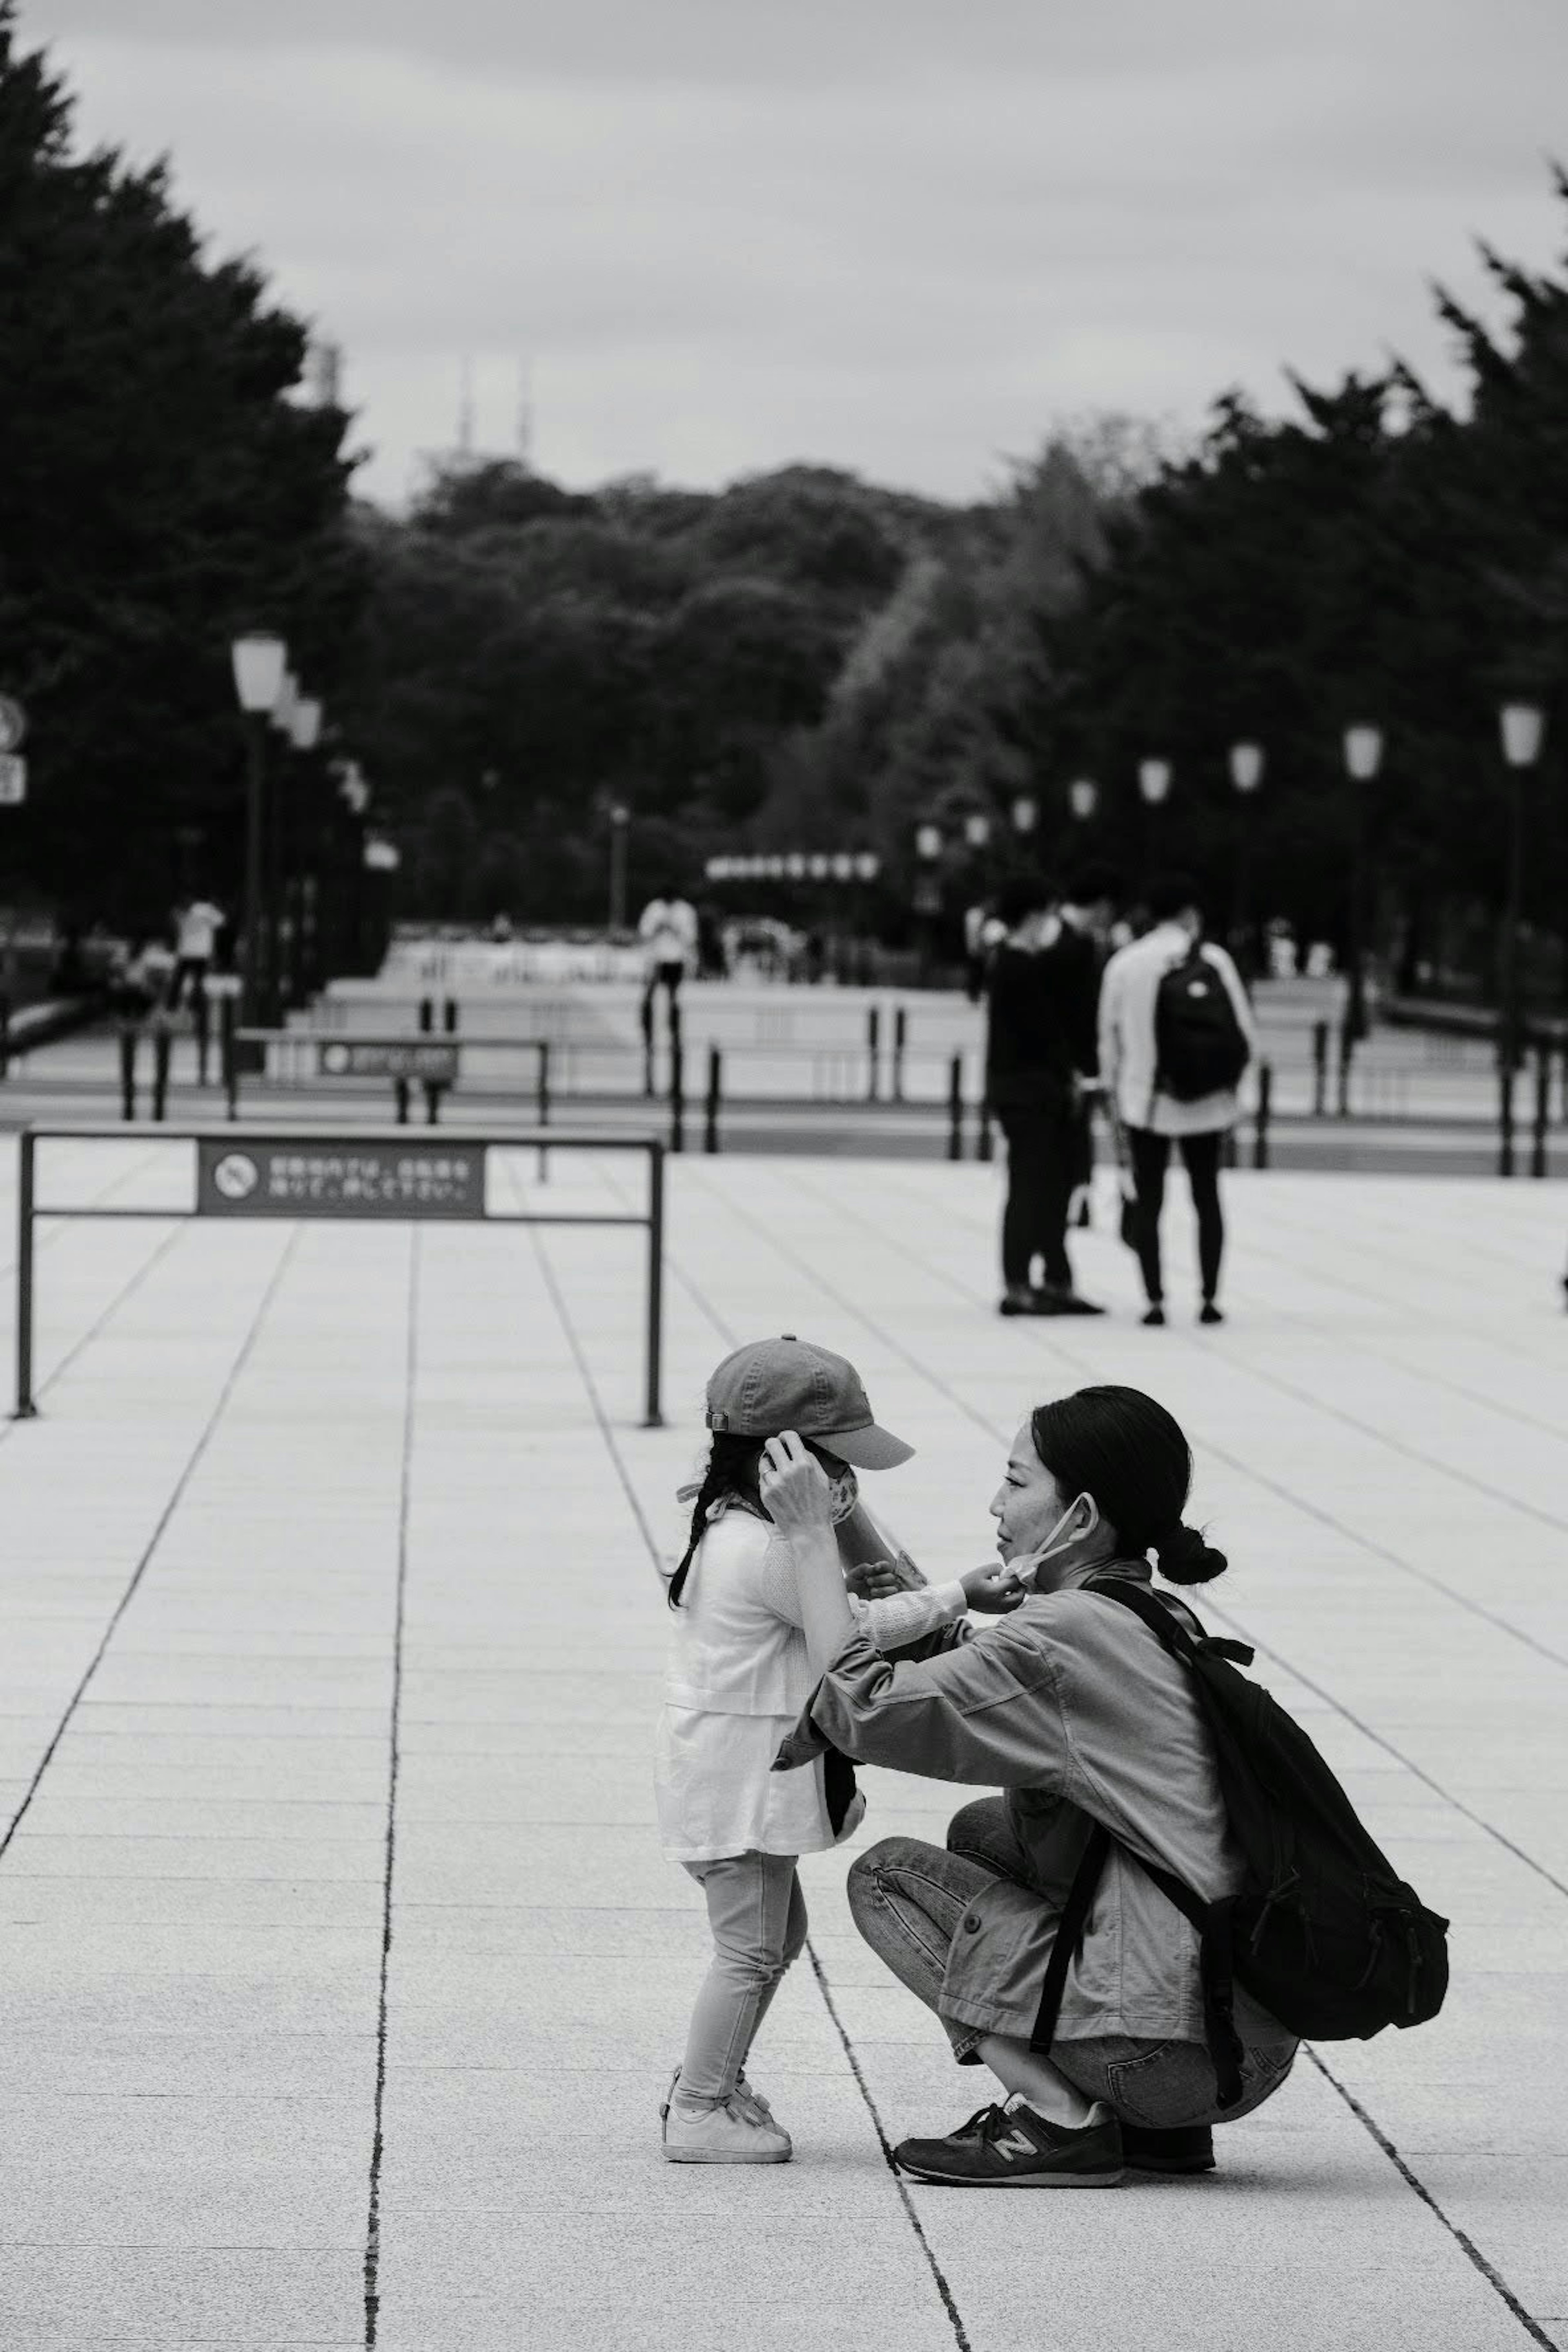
column 1347, row 1050
column 956, row 1109
column 127, row 1073
column 986, row 1147
column 4, row 1036
column 1265, row 1105
column 450, row 1015
column 432, row 1102
column 900, row 1038
column 677, row 1096
column 161, row 1043
column 873, row 1050
column 715, row 1085
column 1542, row 1107
column 1320, row 1067
column 426, row 1015
column 400, row 1095
column 1505, row 1115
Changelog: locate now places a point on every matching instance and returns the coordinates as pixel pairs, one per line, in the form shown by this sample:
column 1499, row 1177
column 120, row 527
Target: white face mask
column 1050, row 1548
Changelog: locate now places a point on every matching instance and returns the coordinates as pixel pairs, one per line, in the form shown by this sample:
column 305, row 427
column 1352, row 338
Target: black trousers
column 1150, row 1156
column 1043, row 1152
column 667, row 976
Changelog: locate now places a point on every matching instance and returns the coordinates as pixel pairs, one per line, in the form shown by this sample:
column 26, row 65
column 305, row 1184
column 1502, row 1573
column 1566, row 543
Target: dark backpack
column 1199, row 1044
column 1322, row 1930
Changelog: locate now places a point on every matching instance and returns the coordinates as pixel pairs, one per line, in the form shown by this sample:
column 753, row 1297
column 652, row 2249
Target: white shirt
column 199, row 925
column 669, row 926
column 1127, row 1053
column 739, row 1675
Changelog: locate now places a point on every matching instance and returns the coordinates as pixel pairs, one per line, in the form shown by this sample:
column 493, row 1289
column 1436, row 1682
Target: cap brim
column 865, row 1449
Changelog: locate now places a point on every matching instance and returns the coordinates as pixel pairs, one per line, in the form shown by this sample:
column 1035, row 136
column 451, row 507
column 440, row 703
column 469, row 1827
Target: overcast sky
column 900, row 236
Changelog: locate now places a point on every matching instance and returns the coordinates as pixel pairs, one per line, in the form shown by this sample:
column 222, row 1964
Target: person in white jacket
column 739, row 1675
column 1154, row 1106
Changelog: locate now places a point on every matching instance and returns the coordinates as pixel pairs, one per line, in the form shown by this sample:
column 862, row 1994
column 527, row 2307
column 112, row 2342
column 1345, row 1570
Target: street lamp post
column 620, row 819
column 259, row 666
column 1153, row 785
column 304, row 733
column 1521, row 725
column 1363, row 757
column 1246, row 775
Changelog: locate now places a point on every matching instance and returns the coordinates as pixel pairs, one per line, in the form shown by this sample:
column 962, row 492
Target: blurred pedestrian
column 1176, row 1033
column 1090, row 907
column 1040, row 1054
column 667, row 930
column 197, row 923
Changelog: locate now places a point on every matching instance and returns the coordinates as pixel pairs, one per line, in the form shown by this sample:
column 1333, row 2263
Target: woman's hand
column 794, row 1488
column 873, row 1580
column 992, row 1589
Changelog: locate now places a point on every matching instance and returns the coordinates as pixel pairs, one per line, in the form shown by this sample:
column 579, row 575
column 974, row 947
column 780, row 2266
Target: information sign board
column 339, row 1176
column 386, row 1057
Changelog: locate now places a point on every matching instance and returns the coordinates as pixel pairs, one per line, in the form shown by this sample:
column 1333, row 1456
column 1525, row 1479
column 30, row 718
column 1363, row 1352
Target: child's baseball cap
column 786, row 1383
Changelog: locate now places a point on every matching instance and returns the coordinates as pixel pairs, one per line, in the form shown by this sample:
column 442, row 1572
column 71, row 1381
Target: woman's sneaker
column 742, row 2130
column 1015, row 2147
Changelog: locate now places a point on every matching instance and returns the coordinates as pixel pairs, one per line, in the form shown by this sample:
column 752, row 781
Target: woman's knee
column 975, row 1828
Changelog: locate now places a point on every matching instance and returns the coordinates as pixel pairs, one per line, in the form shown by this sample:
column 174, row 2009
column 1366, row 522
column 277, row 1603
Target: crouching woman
column 1075, row 1709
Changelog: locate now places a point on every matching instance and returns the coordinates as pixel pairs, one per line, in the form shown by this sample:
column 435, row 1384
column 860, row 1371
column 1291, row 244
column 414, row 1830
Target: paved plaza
column 342, row 1974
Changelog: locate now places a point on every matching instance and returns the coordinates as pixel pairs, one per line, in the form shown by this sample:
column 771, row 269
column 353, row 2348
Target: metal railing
column 236, row 1176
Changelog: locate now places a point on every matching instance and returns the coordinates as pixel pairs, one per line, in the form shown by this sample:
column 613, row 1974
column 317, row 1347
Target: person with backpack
column 1172, row 1888
column 1176, row 1033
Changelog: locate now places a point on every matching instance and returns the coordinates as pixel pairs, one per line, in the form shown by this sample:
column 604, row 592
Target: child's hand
column 794, row 1488
column 992, row 1589
column 872, row 1579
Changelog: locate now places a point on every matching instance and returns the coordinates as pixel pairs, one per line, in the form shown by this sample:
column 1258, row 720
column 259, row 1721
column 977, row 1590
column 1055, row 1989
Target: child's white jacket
column 739, row 1675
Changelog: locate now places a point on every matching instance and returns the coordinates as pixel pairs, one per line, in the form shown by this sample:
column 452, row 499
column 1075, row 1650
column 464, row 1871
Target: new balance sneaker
column 1187, row 2148
column 742, row 2130
column 1015, row 2147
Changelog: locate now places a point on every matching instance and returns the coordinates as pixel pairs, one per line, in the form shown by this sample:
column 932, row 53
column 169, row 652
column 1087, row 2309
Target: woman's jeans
column 908, row 1897
column 757, row 1914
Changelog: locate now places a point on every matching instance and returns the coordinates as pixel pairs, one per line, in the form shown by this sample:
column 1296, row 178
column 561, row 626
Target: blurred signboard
column 338, row 1177
column 379, row 1058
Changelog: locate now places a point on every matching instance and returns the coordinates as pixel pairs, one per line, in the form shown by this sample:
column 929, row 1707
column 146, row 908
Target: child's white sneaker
column 741, row 2131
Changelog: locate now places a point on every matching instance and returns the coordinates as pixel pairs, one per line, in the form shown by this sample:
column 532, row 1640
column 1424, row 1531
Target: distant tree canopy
column 159, row 493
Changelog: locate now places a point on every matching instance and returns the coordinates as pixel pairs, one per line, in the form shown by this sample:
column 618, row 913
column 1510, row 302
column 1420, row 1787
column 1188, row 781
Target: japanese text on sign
column 339, row 1179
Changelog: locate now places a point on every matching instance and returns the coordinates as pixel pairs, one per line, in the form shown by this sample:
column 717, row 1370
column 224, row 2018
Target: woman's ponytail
column 1185, row 1557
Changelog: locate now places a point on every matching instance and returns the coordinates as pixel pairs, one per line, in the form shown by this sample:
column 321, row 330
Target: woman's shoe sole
column 1019, row 2180
column 716, row 2156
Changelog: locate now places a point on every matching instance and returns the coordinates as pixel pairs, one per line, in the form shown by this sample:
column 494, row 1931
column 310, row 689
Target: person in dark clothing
column 1040, row 1048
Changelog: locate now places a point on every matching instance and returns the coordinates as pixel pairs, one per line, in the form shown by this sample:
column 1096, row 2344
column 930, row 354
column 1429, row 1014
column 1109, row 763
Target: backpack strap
column 1069, row 1937
column 1213, row 1921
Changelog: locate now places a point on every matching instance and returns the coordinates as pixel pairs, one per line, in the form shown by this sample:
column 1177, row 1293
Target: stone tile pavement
column 341, row 1967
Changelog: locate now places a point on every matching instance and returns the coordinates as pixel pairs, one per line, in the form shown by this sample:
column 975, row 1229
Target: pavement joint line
column 1363, row 2114
column 378, row 2137
column 175, row 1498
column 1313, row 1511
column 1413, row 2180
column 943, row 2290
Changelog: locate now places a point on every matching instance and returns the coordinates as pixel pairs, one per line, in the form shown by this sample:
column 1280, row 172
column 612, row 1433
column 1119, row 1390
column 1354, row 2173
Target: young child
column 738, row 1677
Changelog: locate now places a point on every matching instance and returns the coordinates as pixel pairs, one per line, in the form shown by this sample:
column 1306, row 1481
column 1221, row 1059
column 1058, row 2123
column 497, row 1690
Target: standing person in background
column 1176, row 1033
column 1039, row 1051
column 667, row 930
column 196, row 926
column 1088, row 910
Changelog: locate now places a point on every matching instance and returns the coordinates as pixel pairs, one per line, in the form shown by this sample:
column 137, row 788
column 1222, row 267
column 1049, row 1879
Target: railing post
column 128, row 1038
column 1347, row 1049
column 1543, row 1106
column 163, row 1045
column 432, row 1102
column 400, row 1097
column 1320, row 1067
column 1265, row 1104
column 426, row 1013
column 677, row 1096
column 654, row 1282
column 26, row 1408
column 955, row 1108
column 900, row 1038
column 985, row 1148
column 227, row 1024
column 873, row 1051
column 715, row 1085
column 1505, row 1115
column 201, row 1014
column 449, row 1016
column 541, row 1104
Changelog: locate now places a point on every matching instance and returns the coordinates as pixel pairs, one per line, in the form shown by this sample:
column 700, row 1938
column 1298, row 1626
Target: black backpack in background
column 1322, row 1930
column 1200, row 1047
